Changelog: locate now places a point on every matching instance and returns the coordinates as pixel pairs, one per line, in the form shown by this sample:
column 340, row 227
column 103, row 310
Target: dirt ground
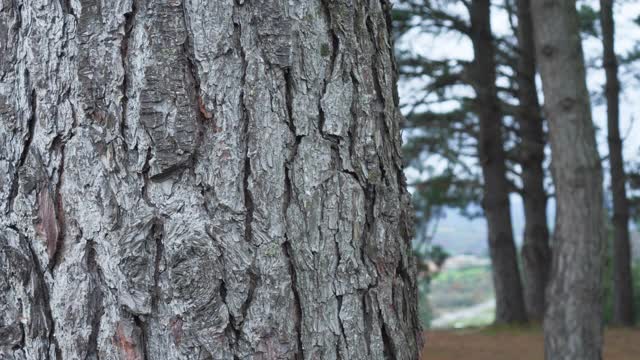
column 521, row 344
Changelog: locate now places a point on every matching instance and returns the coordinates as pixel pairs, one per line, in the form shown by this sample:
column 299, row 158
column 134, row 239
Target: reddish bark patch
column 125, row 342
column 48, row 222
column 176, row 329
column 203, row 109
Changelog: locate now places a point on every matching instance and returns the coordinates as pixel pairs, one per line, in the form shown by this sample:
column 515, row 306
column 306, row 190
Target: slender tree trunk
column 506, row 274
column 623, row 312
column 536, row 256
column 202, row 179
column 573, row 319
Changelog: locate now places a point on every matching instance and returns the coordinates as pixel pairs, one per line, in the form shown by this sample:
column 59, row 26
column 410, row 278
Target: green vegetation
column 424, row 307
column 458, row 289
column 481, row 319
column 455, row 290
column 461, row 288
column 608, row 304
column 465, row 275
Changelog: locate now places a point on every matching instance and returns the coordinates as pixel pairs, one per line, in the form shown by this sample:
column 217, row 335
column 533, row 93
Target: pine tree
column 202, row 179
column 623, row 311
column 573, row 321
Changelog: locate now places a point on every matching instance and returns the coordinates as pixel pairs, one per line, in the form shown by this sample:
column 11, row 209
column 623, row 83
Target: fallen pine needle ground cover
column 500, row 343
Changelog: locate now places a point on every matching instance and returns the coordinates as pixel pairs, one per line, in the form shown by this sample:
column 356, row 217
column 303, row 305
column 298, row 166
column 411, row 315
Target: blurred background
column 434, row 50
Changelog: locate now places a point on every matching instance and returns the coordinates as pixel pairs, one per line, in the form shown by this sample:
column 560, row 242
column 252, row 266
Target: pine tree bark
column 623, row 311
column 510, row 306
column 202, row 179
column 536, row 256
column 573, row 320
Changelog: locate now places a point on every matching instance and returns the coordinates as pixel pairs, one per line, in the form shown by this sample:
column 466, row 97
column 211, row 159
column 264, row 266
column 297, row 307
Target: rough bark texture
column 536, row 256
column 510, row 306
column 623, row 312
column 202, row 180
column 573, row 319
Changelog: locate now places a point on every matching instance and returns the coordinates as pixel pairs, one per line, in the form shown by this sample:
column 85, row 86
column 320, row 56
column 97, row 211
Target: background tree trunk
column 623, row 312
column 536, row 256
column 573, row 321
column 202, row 179
column 506, row 274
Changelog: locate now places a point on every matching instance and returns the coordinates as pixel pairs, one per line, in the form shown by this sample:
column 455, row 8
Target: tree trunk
column 623, row 312
column 536, row 256
column 202, row 179
column 573, row 319
column 506, row 274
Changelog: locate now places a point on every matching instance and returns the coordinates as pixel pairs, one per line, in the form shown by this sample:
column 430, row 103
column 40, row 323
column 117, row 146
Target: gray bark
column 510, row 306
column 202, row 180
column 536, row 256
column 623, row 311
column 573, row 319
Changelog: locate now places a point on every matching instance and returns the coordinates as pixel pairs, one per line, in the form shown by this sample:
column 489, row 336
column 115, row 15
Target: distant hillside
column 459, row 235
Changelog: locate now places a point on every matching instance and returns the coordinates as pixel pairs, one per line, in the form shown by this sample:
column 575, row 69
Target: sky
column 455, row 232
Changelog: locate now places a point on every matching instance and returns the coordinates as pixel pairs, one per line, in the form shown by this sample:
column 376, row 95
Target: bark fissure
column 342, row 336
column 334, row 53
column 368, row 236
column 253, row 283
column 202, row 113
column 286, row 248
column 142, row 325
column 157, row 234
column 376, row 81
column 59, row 212
column 67, row 8
column 129, row 20
column 288, row 198
column 146, row 167
column 248, row 200
column 44, row 301
column 31, row 123
column 389, row 348
column 335, row 41
column 26, row 147
column 289, row 88
column 23, row 331
column 95, row 302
